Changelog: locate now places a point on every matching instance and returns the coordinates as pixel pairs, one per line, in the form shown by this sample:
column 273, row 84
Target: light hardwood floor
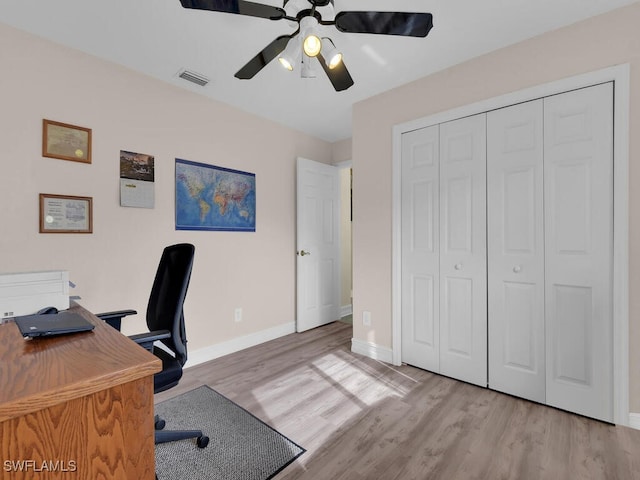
column 360, row 419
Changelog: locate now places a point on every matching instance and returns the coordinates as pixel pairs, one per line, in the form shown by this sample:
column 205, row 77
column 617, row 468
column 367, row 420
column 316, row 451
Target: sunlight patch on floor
column 335, row 390
column 355, row 385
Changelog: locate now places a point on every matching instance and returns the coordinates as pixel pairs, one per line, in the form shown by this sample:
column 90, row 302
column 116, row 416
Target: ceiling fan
column 306, row 41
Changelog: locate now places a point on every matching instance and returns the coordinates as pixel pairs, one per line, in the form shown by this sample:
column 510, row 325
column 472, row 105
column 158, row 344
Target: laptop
column 61, row 323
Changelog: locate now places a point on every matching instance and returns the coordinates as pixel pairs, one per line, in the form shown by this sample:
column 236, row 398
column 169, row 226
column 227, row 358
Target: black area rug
column 241, row 446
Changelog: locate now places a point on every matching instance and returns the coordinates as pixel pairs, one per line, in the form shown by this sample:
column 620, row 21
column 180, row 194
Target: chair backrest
column 164, row 310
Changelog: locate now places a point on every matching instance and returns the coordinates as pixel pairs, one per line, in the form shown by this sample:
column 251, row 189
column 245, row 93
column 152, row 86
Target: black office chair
column 165, row 320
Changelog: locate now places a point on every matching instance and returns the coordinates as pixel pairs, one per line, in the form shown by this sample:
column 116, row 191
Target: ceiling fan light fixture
column 332, row 56
column 286, row 63
column 335, row 61
column 311, row 45
column 307, row 70
column 291, row 54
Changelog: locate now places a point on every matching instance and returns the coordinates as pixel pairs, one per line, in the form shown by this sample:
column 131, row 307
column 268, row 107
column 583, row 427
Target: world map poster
column 214, row 198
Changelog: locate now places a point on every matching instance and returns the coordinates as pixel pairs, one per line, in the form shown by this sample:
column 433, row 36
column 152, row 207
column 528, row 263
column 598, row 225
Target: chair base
column 164, row 436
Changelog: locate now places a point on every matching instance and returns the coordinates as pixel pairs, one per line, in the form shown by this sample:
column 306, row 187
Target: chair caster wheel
column 202, row 442
column 159, row 424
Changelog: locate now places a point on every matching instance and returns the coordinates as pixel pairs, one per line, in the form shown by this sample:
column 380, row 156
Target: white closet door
column 515, row 252
column 420, row 256
column 578, row 249
column 463, row 269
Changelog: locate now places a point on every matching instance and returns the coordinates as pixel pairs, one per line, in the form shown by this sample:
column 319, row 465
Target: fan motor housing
column 317, row 3
column 298, row 9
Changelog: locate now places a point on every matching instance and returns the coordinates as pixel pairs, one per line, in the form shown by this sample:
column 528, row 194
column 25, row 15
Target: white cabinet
column 507, row 231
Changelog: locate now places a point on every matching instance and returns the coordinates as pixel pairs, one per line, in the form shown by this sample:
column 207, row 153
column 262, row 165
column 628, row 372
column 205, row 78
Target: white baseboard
column 372, row 350
column 346, row 310
column 634, row 420
column 235, row 345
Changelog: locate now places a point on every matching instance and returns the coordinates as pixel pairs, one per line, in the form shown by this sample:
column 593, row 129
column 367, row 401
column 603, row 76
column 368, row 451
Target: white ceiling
column 160, row 38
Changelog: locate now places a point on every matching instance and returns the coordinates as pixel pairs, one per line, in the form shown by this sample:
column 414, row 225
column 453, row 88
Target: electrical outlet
column 237, row 314
column 366, row 318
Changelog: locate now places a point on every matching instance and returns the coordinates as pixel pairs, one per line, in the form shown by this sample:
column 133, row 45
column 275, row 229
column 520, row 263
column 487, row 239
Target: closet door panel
column 458, row 292
column 515, row 250
column 579, row 244
column 463, row 301
column 420, row 250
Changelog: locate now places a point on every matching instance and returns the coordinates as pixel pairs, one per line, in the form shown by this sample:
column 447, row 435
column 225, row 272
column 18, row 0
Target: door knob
column 302, row 253
column 517, row 269
column 458, row 266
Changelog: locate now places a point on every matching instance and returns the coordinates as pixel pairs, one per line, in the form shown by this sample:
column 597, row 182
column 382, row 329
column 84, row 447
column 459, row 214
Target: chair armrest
column 146, row 340
column 115, row 318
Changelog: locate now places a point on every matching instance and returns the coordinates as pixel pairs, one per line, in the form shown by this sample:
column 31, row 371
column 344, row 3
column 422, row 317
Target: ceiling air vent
column 194, row 77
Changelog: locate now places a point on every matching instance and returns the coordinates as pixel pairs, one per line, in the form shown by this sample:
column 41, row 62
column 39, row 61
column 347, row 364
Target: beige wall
column 114, row 266
column 600, row 42
column 345, row 237
column 341, row 151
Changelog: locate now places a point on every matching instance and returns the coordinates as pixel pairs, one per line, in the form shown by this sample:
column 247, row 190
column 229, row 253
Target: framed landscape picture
column 214, row 198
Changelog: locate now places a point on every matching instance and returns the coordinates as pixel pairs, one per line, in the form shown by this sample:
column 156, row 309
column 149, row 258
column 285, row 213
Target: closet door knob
column 517, row 269
column 458, row 266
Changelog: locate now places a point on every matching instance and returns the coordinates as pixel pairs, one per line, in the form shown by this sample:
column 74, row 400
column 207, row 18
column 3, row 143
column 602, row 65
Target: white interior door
column 515, row 250
column 318, row 244
column 463, row 255
column 578, row 174
column 420, row 250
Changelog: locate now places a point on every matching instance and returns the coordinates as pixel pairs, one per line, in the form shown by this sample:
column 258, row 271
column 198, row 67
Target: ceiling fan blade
column 263, row 58
column 385, row 23
column 240, row 7
column 339, row 76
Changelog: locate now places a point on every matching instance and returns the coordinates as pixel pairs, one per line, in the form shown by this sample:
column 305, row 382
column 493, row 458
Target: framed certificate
column 67, row 142
column 65, row 214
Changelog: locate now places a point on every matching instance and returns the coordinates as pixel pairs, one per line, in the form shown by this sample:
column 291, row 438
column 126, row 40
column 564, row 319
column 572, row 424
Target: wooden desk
column 78, row 406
